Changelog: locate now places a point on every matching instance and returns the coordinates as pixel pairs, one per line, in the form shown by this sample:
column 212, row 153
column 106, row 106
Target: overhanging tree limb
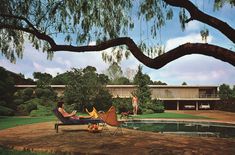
column 160, row 61
column 196, row 14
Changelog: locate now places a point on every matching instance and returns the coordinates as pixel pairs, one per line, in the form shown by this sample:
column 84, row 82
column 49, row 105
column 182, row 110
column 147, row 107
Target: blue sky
column 192, row 69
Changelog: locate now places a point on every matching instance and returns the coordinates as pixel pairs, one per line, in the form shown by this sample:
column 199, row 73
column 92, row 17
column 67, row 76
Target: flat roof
column 127, row 86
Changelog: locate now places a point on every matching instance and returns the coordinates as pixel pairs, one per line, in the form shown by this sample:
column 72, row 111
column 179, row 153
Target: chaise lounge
column 66, row 121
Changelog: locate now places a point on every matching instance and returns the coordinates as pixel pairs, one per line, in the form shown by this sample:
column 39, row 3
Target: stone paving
column 77, row 140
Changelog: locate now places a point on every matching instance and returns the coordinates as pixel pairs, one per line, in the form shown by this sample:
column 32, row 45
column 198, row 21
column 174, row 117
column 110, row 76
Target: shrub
column 18, row 101
column 4, row 111
column 45, row 93
column 28, row 106
column 103, row 100
column 31, row 106
column 49, row 94
column 122, row 104
column 22, row 110
column 28, row 92
column 39, row 92
column 225, row 105
column 156, row 106
column 148, row 111
column 159, row 106
column 41, row 111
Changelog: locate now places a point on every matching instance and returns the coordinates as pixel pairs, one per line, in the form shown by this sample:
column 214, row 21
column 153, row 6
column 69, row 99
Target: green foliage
column 6, row 88
column 45, row 93
column 41, row 111
column 184, row 84
column 122, row 104
column 114, row 71
column 5, row 111
column 60, row 79
column 147, row 111
column 25, row 109
column 43, row 79
column 22, row 110
column 36, row 105
column 159, row 83
column 103, row 100
column 225, row 105
column 121, row 81
column 225, row 92
column 86, row 88
column 158, row 106
column 39, row 92
column 143, row 91
column 204, row 34
column 27, row 94
column 154, row 106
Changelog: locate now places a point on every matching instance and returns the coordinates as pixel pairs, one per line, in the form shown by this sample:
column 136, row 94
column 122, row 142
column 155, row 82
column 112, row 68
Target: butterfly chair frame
column 110, row 118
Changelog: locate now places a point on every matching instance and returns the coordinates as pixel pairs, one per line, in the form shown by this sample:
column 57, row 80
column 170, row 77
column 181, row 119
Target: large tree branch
column 160, row 61
column 20, row 18
column 196, row 14
column 39, row 35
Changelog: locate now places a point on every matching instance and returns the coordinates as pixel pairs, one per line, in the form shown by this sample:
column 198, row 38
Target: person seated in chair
column 72, row 115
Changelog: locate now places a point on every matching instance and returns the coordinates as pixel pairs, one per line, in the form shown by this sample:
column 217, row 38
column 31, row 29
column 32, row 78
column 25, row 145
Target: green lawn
column 8, row 122
column 4, row 151
column 170, row 115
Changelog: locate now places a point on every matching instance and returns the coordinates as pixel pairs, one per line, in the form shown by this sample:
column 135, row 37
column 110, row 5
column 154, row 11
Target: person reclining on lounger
column 72, row 115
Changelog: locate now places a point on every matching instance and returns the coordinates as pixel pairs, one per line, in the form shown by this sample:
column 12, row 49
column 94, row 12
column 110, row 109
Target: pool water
column 185, row 128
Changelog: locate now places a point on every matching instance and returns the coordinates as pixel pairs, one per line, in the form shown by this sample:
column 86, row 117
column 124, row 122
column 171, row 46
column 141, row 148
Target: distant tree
column 60, row 79
column 143, row 91
column 159, row 83
column 86, row 88
column 184, row 83
column 121, row 81
column 104, row 79
column 130, row 73
column 114, row 71
column 225, row 92
column 43, row 79
column 6, row 88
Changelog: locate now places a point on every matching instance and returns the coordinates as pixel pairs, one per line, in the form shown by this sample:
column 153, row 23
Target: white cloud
column 54, row 71
column 38, row 67
column 195, row 70
column 193, row 26
column 191, row 38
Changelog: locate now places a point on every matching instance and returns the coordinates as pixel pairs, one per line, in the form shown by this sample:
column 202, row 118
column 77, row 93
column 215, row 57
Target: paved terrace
column 76, row 140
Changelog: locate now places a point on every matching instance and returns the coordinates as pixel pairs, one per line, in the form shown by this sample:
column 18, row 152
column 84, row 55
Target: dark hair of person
column 59, row 104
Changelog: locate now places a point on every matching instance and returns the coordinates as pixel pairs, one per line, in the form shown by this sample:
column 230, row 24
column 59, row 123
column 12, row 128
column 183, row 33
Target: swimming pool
column 207, row 129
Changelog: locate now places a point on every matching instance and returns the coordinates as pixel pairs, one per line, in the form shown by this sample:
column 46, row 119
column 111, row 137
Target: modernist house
column 174, row 97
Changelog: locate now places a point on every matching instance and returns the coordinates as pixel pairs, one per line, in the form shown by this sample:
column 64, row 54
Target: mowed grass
column 5, row 151
column 8, row 122
column 170, row 115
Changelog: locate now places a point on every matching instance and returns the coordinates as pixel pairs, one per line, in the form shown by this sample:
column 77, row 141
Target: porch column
column 196, row 105
column 178, row 106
